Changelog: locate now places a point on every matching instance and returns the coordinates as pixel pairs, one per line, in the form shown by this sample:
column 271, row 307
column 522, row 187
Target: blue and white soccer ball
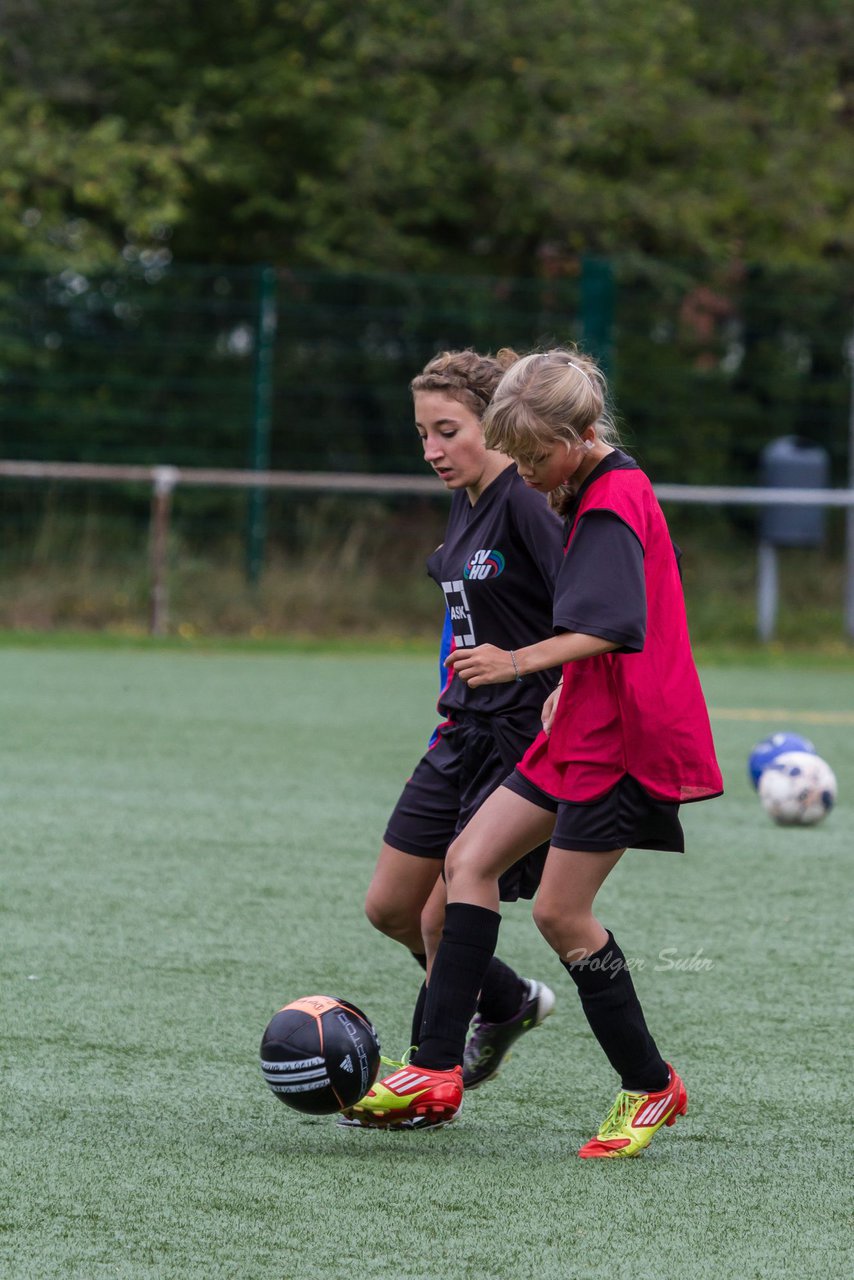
column 769, row 748
column 797, row 789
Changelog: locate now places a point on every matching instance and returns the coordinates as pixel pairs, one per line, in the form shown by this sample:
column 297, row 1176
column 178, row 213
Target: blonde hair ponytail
column 545, row 398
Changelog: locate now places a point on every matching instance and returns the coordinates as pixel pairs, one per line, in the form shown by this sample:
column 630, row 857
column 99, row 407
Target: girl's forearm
column 569, row 646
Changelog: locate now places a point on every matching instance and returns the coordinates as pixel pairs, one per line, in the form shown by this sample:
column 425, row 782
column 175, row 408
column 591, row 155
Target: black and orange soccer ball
column 320, row 1055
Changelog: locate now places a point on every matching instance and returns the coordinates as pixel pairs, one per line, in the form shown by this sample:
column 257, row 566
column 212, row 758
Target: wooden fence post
column 165, row 479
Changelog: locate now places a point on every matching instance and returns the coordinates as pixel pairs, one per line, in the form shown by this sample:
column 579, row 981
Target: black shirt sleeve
column 541, row 532
column 601, row 587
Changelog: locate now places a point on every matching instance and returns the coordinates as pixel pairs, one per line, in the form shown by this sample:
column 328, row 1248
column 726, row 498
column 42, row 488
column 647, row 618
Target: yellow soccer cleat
column 634, row 1118
column 346, row 1117
column 410, row 1098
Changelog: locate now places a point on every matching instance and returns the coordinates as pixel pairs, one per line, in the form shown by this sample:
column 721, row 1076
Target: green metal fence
column 222, row 366
column 304, row 370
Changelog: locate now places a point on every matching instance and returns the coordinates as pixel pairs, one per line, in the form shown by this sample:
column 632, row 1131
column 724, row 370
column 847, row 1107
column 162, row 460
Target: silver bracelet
column 515, row 666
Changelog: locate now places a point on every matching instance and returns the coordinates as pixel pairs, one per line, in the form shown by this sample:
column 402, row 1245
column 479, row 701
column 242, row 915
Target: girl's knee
column 377, row 912
column 465, row 862
column 545, row 921
column 561, row 931
column 454, row 860
column 389, row 917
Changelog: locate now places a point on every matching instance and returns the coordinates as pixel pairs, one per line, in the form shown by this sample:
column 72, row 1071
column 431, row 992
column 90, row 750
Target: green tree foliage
column 423, row 175
column 461, row 135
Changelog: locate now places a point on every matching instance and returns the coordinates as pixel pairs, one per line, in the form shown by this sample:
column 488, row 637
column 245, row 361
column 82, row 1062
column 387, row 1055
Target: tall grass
column 351, row 566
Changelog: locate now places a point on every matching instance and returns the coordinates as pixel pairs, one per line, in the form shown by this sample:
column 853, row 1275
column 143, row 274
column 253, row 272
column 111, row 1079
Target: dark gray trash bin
column 793, row 463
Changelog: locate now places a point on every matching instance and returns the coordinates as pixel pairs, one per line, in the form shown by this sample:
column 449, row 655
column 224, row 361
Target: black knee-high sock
column 418, row 1011
column 502, row 992
column 500, row 998
column 468, row 942
column 616, row 1019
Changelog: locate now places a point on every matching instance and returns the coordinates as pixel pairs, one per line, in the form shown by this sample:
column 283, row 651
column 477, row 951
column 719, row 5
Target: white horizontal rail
column 745, row 495
column 163, row 481
column 169, row 477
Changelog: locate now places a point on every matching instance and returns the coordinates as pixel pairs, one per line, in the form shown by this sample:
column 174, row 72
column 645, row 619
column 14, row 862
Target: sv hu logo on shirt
column 484, row 564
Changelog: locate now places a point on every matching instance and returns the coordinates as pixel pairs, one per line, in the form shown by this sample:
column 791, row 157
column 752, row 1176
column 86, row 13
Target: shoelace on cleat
column 393, row 1062
column 616, row 1118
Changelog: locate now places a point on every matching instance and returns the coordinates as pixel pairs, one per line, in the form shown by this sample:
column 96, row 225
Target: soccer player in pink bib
column 497, row 566
column 626, row 741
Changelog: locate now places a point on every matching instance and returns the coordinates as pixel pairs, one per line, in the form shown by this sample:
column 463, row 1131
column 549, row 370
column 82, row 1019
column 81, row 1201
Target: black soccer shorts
column 626, row 817
column 468, row 761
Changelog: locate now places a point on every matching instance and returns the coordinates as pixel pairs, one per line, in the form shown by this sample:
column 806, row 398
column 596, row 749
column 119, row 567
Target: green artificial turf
column 186, row 842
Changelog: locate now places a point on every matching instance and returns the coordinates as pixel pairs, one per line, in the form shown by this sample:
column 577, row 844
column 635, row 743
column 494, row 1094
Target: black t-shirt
column 497, row 567
column 601, row 587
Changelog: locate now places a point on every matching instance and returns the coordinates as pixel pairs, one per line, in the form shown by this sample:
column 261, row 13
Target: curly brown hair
column 465, row 376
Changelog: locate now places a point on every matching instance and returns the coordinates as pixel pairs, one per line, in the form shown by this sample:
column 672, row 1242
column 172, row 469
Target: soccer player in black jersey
column 497, row 569
column 625, row 742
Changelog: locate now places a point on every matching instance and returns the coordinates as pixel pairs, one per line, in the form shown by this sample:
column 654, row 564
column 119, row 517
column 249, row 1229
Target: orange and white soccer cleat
column 634, row 1118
